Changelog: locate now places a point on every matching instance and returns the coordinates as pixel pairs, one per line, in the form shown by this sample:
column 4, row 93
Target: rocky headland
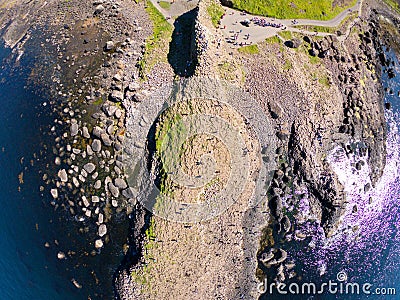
column 110, row 71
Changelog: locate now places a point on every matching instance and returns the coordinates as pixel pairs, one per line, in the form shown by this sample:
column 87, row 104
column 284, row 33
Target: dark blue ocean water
column 27, row 269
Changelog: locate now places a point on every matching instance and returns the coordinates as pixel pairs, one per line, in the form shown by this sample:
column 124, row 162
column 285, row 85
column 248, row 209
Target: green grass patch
column 250, row 49
column 393, row 4
column 342, row 26
column 169, row 133
column 215, row 11
column 287, row 65
column 150, row 232
column 98, row 101
column 286, row 35
column 162, row 32
column 273, row 40
column 231, row 71
column 314, row 59
column 140, row 276
column 293, row 9
column 165, row 5
column 164, row 130
column 324, row 80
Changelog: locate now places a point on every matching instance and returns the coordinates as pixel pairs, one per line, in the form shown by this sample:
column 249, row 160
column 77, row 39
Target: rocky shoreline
column 309, row 127
column 91, row 50
column 320, row 94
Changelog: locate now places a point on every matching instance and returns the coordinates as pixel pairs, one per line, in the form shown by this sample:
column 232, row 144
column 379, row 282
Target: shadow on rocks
column 181, row 55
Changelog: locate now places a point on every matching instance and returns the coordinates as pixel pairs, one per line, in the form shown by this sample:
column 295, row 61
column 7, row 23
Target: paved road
column 230, row 25
column 178, row 8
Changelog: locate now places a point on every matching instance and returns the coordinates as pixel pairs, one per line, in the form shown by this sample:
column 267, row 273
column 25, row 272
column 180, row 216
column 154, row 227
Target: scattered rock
column 116, row 96
column 97, row 184
column 54, row 193
column 74, row 129
column 96, row 145
column 279, row 257
column 275, row 205
column 286, row 224
column 120, row 183
column 89, row 167
column 98, row 10
column 61, row 255
column 109, row 110
column 267, row 256
column 75, row 181
column 275, row 109
column 98, row 244
column 101, row 218
column 85, row 201
column 295, row 43
column 97, row 131
column 117, row 146
column 113, row 189
column 89, row 150
column 76, row 283
column 118, row 113
column 105, row 139
column 109, row 46
column 62, row 174
column 102, row 230
column 85, row 132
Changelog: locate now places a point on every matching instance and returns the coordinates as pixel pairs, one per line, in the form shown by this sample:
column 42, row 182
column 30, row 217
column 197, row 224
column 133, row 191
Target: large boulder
column 62, row 174
column 89, row 167
column 109, row 46
column 96, row 145
column 105, row 139
column 120, row 183
column 102, row 230
column 74, row 129
column 275, row 205
column 295, row 43
column 117, row 96
column 113, row 190
column 275, row 109
column 99, row 9
column 54, row 193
